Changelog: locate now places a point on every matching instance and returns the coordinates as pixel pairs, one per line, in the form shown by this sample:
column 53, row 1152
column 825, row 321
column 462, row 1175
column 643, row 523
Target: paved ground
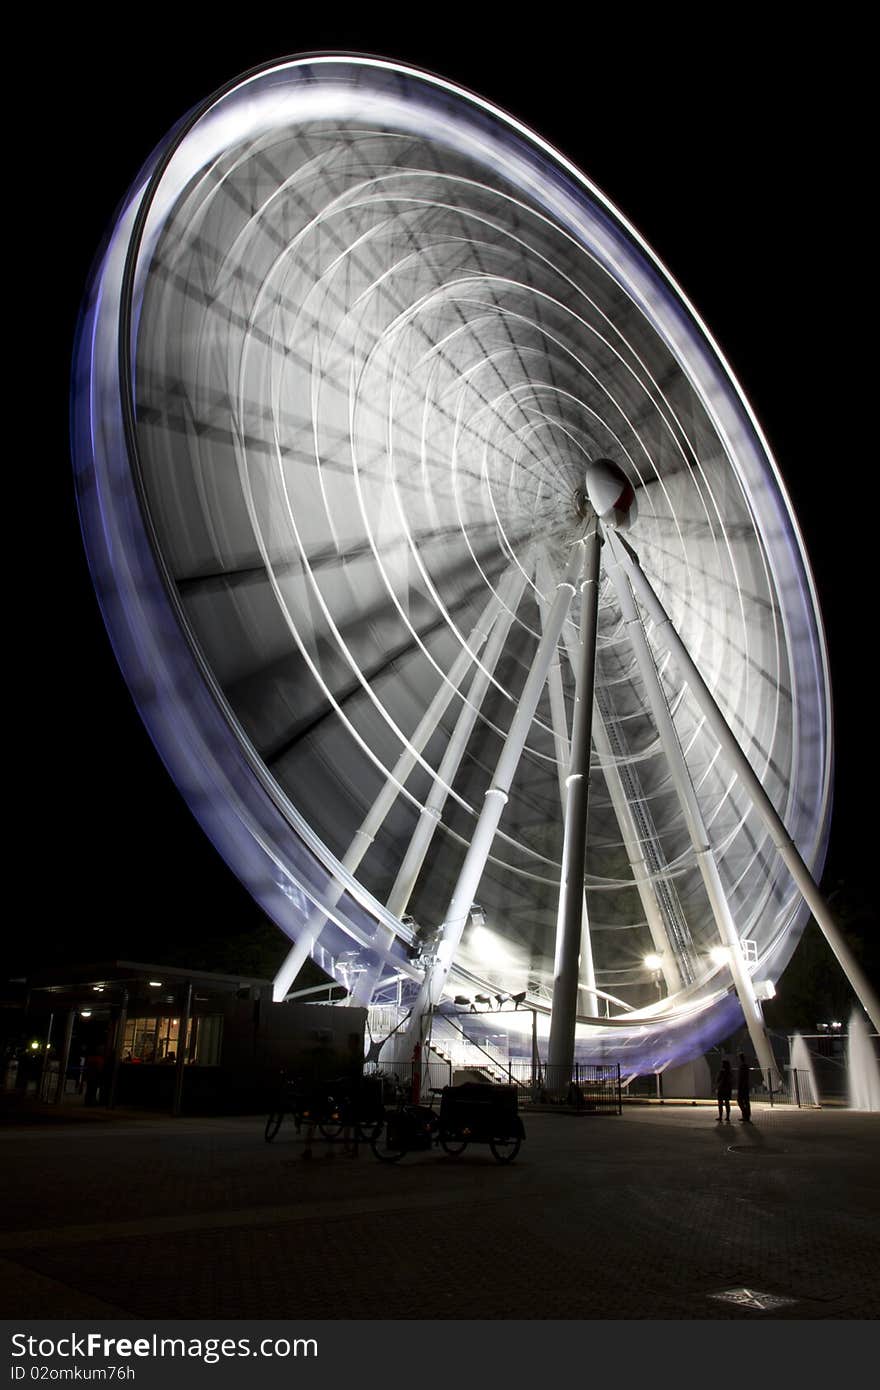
column 645, row 1215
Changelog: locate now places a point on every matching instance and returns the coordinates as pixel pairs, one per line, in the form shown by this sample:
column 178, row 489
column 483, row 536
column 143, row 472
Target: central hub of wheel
column 610, row 492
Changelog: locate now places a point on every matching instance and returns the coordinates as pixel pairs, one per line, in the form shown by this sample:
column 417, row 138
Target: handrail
column 450, row 1019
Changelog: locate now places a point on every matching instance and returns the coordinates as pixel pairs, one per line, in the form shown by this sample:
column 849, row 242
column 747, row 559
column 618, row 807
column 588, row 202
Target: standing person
column 743, row 1087
column 724, row 1090
column 94, row 1077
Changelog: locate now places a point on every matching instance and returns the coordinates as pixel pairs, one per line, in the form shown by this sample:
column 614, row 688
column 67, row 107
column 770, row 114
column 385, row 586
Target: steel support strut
column 632, row 844
column 690, row 807
column 509, row 594
column 563, row 758
column 432, row 810
column 785, row 846
column 375, row 817
column 495, row 799
column 570, row 913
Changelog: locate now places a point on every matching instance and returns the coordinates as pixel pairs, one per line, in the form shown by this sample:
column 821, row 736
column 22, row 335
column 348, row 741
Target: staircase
column 449, row 1047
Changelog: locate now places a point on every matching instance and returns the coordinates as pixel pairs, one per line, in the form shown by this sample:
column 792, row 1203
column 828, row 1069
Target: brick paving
column 639, row 1216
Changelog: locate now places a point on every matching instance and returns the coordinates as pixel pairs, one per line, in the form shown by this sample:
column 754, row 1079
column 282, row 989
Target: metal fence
column 400, row 1076
column 797, row 1088
column 587, row 1089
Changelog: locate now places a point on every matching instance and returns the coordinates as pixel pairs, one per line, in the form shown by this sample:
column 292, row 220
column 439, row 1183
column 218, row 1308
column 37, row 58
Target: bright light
column 489, row 947
column 154, row 982
column 85, row 1013
column 98, row 989
column 653, row 962
column 720, row 954
column 35, row 1047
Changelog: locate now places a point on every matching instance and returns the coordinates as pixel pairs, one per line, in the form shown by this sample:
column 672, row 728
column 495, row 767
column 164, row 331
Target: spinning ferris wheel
column 450, row 570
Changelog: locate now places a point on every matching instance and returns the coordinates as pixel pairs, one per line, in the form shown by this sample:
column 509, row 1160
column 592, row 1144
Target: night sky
column 736, row 159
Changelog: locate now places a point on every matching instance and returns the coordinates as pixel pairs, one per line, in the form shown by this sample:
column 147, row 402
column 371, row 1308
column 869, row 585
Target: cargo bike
column 470, row 1114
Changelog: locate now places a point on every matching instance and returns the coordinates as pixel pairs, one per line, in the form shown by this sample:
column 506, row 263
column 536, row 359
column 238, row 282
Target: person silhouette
column 724, row 1090
column 743, row 1088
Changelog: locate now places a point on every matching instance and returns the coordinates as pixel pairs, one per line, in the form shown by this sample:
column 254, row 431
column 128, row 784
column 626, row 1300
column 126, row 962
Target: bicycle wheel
column 388, row 1144
column 273, row 1124
column 368, row 1130
column 505, row 1150
column 451, row 1144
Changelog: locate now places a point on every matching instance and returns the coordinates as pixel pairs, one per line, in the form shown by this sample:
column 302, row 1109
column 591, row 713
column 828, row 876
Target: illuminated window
column 157, row 1039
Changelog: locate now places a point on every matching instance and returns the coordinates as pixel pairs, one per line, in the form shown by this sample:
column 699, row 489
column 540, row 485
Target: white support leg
column 632, row 844
column 506, row 604
column 432, row 810
column 785, row 846
column 693, row 816
column 563, row 755
column 558, row 715
column 375, row 817
column 495, row 798
column 570, row 916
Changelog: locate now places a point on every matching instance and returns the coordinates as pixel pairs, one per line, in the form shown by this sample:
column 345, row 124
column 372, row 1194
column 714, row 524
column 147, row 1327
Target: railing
column 796, row 1089
column 584, row 1087
column 399, row 1076
column 587, row 1089
column 451, row 1044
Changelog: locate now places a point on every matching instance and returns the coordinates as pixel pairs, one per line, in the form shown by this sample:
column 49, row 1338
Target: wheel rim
column 505, row 1150
column 453, row 1147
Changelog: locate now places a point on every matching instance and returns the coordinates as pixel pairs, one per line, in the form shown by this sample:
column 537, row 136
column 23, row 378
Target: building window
column 150, row 1040
column 158, row 1039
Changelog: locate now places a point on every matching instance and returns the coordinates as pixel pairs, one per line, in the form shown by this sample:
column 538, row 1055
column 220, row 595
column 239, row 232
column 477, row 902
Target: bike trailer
column 480, row 1109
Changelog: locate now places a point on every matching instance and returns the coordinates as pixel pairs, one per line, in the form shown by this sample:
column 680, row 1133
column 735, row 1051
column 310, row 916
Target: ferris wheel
column 450, row 570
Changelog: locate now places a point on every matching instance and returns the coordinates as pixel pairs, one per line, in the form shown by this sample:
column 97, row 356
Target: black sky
column 735, row 153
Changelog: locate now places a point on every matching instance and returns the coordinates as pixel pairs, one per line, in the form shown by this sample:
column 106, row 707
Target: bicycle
column 306, row 1104
column 332, row 1107
column 411, row 1126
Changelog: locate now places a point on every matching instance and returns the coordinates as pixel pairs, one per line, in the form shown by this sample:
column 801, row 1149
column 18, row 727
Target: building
column 187, row 1041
